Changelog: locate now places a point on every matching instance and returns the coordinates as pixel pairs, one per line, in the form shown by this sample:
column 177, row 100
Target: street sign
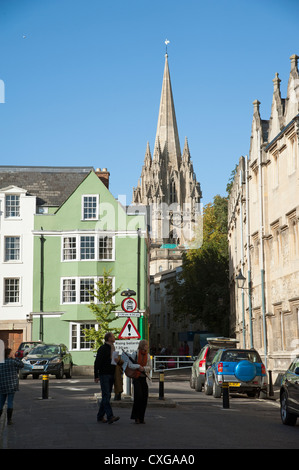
column 129, row 346
column 129, row 331
column 129, row 304
column 127, row 315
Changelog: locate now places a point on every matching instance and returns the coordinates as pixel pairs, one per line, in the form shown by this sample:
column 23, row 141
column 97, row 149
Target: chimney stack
column 103, row 175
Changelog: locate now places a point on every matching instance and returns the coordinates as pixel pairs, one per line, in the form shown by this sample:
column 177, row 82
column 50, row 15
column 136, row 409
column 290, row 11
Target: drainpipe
column 41, row 295
column 262, row 266
column 140, row 319
column 248, row 252
column 242, row 257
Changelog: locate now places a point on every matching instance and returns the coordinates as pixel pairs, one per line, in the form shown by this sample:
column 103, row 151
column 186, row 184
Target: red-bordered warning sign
column 129, row 305
column 129, row 331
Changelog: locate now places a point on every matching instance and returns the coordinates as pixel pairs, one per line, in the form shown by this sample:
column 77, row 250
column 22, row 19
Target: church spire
column 167, row 131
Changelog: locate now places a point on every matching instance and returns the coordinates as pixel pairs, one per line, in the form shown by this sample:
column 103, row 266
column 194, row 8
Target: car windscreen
column 236, row 355
column 48, row 350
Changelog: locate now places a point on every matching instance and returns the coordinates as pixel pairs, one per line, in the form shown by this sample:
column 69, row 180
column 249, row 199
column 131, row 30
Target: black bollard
column 271, row 392
column 45, row 391
column 225, row 395
column 161, row 383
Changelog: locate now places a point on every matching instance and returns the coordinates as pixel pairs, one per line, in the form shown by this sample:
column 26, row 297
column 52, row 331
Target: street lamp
column 240, row 284
column 240, row 280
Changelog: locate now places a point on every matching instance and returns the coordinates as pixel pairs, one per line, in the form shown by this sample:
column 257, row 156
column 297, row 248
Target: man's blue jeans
column 10, row 398
column 106, row 382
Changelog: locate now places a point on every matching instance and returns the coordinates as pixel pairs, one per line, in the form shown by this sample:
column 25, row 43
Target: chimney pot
column 103, row 175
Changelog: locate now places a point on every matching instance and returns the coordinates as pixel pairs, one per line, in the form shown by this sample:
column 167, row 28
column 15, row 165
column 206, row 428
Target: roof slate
column 51, row 185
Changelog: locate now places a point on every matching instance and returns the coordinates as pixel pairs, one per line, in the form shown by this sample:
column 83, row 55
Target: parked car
column 289, row 394
column 243, row 369
column 204, row 359
column 25, row 347
column 52, row 359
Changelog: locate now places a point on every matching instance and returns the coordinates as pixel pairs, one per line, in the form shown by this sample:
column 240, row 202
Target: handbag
column 132, row 373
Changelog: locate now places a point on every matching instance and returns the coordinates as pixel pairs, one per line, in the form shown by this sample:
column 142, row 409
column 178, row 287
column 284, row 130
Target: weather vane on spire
column 166, row 42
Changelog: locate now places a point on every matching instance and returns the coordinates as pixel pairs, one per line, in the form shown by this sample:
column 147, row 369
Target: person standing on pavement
column 9, row 382
column 104, row 370
column 141, row 358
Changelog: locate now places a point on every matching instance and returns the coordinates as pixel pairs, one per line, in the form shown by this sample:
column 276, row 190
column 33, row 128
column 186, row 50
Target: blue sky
column 83, row 80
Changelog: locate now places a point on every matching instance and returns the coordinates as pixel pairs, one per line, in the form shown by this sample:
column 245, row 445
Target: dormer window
column 12, row 205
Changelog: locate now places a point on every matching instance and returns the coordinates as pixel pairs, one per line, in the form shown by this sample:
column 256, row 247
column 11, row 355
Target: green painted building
column 75, row 242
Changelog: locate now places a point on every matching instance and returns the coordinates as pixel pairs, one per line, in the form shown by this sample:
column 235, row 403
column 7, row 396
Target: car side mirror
column 297, row 371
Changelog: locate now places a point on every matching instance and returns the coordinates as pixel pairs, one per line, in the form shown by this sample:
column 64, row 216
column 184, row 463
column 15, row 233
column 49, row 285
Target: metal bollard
column 161, row 383
column 225, row 395
column 271, row 392
column 45, row 390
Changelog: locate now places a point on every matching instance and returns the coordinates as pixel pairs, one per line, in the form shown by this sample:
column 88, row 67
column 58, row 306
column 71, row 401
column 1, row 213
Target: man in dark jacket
column 104, row 372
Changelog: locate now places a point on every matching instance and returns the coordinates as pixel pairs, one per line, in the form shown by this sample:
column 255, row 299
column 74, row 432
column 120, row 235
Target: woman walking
column 9, row 382
column 143, row 359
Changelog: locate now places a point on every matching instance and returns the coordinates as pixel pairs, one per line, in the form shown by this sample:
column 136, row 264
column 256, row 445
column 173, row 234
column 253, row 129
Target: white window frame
column 77, row 249
column 77, row 283
column 77, row 326
column 97, row 200
column 19, row 206
column 16, row 260
column 87, row 249
column 69, row 250
column 83, row 292
column 73, row 282
column 18, row 302
column 109, row 237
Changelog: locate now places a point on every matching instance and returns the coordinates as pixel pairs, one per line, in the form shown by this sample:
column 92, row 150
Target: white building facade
column 17, row 211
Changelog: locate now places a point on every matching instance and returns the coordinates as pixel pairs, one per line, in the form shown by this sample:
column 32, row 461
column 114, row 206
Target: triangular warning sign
column 129, row 331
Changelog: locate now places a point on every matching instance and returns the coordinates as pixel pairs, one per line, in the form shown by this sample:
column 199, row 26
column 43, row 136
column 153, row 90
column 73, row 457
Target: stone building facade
column 263, row 232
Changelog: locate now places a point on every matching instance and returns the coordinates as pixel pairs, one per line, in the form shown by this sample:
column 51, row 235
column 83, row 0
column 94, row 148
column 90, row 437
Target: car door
column 65, row 357
column 212, row 370
column 293, row 385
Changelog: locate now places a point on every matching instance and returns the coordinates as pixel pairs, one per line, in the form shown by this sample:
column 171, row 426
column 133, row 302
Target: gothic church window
column 172, row 191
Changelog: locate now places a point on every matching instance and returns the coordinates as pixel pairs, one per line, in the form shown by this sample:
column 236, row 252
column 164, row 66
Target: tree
column 201, row 290
column 103, row 311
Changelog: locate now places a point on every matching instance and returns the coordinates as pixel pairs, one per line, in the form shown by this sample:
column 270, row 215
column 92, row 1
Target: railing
column 172, row 362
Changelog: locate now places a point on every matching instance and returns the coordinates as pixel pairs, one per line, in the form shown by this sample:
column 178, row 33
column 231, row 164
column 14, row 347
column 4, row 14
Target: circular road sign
column 129, row 305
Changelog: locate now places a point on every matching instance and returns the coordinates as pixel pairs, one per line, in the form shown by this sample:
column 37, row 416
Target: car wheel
column 60, row 372
column 22, row 376
column 286, row 417
column 198, row 384
column 216, row 390
column 68, row 374
column 35, row 376
column 192, row 381
column 208, row 388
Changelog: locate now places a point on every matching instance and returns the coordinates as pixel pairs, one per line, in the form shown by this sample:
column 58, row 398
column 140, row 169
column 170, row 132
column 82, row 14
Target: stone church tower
column 168, row 188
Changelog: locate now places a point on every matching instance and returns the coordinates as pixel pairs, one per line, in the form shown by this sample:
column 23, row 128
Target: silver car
column 205, row 358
